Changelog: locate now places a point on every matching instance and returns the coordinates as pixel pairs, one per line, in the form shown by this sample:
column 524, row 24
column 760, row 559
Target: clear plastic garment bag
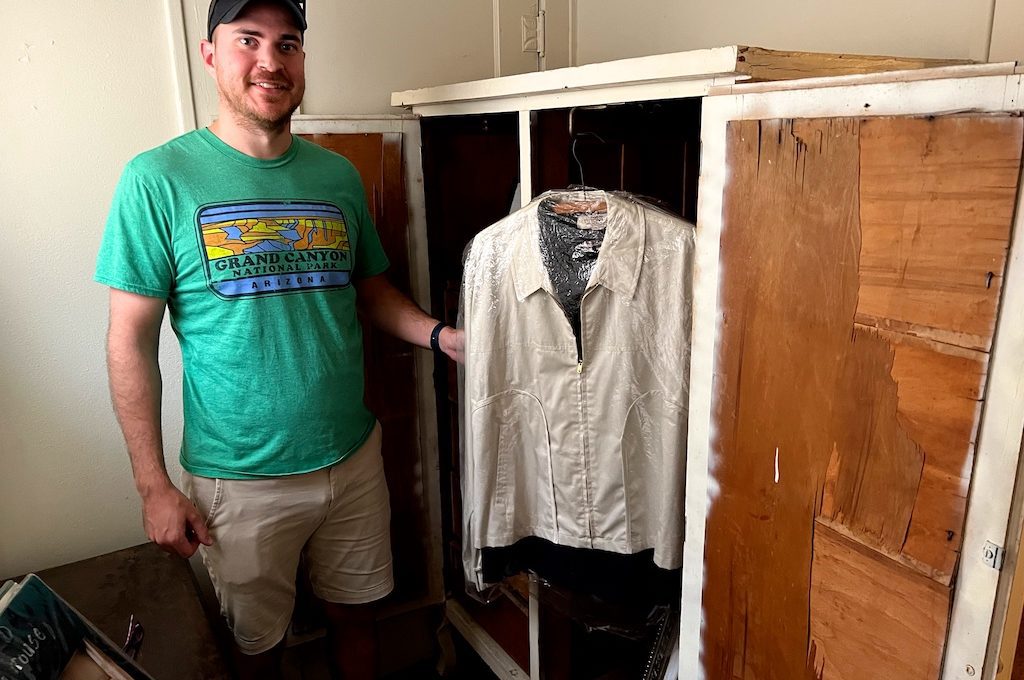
column 574, row 392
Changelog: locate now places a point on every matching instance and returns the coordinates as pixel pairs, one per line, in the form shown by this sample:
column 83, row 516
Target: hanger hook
column 579, row 165
column 575, row 138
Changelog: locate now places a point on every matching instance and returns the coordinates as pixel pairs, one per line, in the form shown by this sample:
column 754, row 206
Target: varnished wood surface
column 940, row 392
column 875, row 468
column 937, row 198
column 788, row 294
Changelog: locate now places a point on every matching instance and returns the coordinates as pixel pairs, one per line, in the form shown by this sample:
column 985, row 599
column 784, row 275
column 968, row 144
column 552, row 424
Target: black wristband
column 435, row 334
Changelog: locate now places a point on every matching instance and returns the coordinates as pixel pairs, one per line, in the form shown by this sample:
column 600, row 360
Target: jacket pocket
column 512, row 455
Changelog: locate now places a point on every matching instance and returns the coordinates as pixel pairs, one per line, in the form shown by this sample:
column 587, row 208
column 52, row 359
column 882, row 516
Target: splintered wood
column 861, row 267
column 762, row 64
column 788, row 300
column 871, row 450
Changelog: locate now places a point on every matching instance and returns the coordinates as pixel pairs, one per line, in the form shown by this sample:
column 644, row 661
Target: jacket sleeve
column 470, row 549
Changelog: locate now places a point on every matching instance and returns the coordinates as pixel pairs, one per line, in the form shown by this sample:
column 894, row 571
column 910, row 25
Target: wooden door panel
column 862, row 262
column 787, row 296
column 940, row 392
column 365, row 152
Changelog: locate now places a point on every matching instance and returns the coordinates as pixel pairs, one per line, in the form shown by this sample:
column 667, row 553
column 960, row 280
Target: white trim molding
column 181, row 76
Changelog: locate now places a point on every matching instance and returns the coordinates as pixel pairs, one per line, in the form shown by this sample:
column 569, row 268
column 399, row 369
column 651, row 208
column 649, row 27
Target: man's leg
column 264, row 666
column 349, row 558
column 259, row 528
column 353, row 639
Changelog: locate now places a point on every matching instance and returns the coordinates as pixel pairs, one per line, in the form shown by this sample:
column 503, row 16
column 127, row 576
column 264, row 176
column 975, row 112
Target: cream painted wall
column 87, row 87
column 358, row 53
column 1008, row 31
column 610, row 29
column 375, row 48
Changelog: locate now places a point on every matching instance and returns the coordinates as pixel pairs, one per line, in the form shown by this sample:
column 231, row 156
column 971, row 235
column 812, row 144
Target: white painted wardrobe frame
column 978, row 615
column 669, row 76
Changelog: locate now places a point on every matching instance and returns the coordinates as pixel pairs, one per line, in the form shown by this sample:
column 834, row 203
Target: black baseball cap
column 225, row 11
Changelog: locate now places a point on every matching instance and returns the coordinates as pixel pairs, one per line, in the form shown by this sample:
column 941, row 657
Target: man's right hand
column 173, row 523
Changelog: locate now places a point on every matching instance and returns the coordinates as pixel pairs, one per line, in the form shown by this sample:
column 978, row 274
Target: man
column 261, row 247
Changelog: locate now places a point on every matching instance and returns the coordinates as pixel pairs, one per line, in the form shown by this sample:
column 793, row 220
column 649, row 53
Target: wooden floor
column 308, row 662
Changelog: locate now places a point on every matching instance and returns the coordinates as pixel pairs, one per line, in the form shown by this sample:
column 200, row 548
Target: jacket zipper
column 585, row 424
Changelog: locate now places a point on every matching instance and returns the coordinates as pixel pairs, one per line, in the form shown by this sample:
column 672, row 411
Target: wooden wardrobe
column 856, row 400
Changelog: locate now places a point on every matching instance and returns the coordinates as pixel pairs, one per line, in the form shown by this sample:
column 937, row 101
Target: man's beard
column 248, row 116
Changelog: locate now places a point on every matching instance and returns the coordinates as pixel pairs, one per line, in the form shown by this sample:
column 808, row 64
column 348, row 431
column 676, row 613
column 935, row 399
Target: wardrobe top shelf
column 716, row 66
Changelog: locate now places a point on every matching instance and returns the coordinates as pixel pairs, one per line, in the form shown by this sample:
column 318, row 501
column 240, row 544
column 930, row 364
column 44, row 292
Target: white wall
column 1008, row 31
column 611, row 29
column 358, row 53
column 86, row 88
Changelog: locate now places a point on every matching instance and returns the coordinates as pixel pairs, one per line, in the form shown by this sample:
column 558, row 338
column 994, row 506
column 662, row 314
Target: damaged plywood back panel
column 870, row 616
column 936, row 205
column 875, row 467
column 937, row 198
column 850, row 367
column 788, row 297
column 940, row 391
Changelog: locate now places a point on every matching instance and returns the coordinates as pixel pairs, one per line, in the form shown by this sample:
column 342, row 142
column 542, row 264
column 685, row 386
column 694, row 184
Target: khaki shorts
column 338, row 517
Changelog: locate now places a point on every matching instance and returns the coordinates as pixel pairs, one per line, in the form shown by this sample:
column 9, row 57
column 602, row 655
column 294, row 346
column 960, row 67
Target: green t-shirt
column 255, row 259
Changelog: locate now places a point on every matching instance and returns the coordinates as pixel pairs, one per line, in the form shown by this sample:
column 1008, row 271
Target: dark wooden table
column 161, row 591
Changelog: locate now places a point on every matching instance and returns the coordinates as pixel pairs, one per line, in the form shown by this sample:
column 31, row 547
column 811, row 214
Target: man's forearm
column 136, row 388
column 394, row 313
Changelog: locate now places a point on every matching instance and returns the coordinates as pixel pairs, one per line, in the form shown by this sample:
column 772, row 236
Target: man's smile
column 271, row 85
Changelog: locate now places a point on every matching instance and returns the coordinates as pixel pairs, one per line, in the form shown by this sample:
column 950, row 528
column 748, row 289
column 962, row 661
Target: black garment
column 612, row 578
column 569, row 253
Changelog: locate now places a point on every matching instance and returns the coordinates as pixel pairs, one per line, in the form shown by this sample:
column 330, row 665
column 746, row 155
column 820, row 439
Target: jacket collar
column 618, row 263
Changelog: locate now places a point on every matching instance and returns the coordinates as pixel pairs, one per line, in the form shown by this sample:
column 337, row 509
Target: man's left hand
column 452, row 342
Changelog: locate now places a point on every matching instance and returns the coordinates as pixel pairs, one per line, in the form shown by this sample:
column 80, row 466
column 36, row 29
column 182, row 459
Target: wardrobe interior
column 471, row 171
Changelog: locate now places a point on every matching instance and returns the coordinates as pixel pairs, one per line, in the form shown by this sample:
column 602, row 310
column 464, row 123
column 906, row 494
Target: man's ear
column 207, row 49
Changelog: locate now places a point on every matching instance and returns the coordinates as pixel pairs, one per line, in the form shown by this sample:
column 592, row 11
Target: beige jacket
column 584, row 451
